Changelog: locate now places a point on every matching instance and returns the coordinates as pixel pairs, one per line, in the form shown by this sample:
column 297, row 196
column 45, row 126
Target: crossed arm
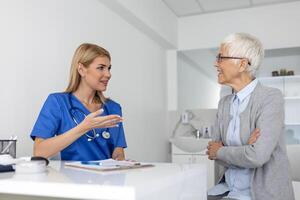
column 213, row 147
column 270, row 121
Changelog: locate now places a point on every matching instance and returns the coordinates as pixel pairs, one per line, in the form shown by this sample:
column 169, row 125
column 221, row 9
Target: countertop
column 165, row 181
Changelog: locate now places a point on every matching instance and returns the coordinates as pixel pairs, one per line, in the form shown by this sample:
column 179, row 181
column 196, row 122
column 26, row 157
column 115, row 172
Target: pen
column 111, row 164
column 91, row 163
column 97, row 163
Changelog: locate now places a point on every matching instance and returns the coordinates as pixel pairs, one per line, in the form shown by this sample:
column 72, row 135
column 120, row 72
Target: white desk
column 165, row 181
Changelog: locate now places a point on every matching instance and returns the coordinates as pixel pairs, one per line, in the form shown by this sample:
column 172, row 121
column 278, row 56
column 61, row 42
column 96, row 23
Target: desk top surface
column 162, row 181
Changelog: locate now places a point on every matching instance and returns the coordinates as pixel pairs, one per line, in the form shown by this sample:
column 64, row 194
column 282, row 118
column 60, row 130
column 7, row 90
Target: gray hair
column 245, row 46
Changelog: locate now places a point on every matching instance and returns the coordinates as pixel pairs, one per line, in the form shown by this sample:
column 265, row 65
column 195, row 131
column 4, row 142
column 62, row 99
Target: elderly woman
column 248, row 142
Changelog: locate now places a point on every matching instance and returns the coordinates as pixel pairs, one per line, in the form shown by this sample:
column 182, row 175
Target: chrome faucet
column 197, row 133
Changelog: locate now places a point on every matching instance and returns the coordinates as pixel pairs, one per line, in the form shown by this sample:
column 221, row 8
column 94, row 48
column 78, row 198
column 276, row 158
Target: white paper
column 102, row 164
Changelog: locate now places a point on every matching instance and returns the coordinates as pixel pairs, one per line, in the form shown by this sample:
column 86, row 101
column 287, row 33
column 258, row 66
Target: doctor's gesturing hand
column 93, row 120
column 90, row 123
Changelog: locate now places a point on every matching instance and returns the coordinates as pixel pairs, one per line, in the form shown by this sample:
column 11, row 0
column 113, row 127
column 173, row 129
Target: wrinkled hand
column 212, row 149
column 254, row 136
column 93, row 120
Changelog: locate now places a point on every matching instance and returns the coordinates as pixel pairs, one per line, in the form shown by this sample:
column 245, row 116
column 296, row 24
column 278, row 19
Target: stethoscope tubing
column 105, row 134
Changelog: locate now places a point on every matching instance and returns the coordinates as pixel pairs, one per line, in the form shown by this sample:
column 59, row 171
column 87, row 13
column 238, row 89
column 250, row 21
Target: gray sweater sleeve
column 216, row 134
column 270, row 121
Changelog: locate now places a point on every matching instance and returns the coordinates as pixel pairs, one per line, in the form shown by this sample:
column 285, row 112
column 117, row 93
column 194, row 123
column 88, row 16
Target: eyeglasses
column 219, row 58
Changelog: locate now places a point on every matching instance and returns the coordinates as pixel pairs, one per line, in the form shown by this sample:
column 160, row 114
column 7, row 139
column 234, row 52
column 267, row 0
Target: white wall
column 172, row 82
column 38, row 39
column 276, row 25
column 195, row 90
column 153, row 18
column 12, row 46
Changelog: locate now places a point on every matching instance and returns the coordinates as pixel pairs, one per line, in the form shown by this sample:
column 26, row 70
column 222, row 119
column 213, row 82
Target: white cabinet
column 182, row 157
column 290, row 87
column 189, row 158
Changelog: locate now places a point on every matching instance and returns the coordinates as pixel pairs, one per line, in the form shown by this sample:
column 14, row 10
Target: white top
column 164, row 181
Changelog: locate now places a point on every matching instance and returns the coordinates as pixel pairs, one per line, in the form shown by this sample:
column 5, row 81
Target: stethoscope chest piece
column 105, row 134
column 72, row 110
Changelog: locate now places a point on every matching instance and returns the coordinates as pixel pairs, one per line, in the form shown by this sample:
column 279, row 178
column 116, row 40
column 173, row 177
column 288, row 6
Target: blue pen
column 91, row 163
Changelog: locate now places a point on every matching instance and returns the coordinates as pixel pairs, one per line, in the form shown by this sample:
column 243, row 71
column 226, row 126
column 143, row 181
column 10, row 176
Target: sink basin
column 190, row 143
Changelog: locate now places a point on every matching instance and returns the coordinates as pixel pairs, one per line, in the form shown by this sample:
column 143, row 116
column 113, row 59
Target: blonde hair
column 85, row 55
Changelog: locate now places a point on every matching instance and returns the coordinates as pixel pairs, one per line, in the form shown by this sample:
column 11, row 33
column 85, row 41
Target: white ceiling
column 182, row 8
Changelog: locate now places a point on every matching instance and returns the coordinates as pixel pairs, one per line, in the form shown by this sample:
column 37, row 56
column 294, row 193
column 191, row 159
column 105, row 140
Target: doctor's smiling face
column 97, row 74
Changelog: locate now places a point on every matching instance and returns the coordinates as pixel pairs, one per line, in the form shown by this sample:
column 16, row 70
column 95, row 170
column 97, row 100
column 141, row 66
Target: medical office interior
column 163, row 75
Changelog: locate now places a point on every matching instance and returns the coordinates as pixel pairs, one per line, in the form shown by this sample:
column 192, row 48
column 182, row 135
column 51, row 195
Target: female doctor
column 81, row 123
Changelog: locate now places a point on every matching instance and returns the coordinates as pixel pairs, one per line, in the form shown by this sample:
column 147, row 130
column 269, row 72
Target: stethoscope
column 73, row 110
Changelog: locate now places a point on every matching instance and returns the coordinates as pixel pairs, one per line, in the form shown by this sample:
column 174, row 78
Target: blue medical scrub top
column 55, row 118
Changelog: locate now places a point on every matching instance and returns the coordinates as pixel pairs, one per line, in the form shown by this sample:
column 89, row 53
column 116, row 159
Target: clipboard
column 107, row 165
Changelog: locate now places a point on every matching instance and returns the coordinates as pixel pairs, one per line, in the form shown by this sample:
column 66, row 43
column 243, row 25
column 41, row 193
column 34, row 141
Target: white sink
column 190, row 143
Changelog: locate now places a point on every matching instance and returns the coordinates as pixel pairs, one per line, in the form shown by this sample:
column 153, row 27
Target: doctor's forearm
column 52, row 146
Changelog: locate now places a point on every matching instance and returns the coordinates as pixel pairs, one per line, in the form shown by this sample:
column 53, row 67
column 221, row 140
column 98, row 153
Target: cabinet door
column 182, row 159
column 210, row 165
column 275, row 82
column 292, row 133
column 292, row 110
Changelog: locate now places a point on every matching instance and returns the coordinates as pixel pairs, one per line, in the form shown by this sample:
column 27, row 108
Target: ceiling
column 183, row 8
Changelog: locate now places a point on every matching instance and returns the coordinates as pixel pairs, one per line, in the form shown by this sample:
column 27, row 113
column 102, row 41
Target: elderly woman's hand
column 212, row 149
column 253, row 137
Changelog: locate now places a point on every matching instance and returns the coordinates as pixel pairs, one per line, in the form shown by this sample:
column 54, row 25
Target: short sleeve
column 49, row 119
column 121, row 141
